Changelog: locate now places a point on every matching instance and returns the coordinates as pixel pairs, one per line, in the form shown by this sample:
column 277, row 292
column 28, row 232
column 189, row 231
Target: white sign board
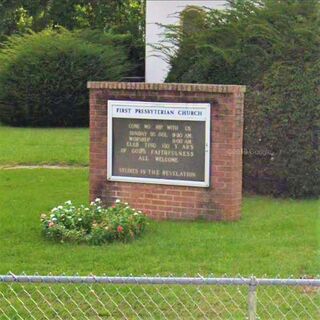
column 159, row 142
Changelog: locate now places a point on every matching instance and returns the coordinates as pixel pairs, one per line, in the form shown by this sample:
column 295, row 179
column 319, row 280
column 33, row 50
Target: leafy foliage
column 43, row 76
column 111, row 16
column 131, row 45
column 281, row 120
column 94, row 224
column 273, row 47
column 126, row 16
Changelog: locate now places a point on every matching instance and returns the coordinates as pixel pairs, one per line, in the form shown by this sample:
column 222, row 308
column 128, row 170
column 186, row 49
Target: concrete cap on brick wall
column 191, row 87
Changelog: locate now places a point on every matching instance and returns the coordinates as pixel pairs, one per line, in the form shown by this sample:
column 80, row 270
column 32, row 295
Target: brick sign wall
column 171, row 166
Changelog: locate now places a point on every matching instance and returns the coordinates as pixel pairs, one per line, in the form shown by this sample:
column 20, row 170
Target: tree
column 117, row 16
column 273, row 47
column 126, row 16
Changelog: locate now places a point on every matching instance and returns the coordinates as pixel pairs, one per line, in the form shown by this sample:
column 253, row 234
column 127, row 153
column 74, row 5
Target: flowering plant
column 94, row 224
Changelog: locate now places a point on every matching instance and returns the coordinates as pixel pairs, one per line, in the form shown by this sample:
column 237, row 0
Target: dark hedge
column 272, row 47
column 43, row 77
column 281, row 144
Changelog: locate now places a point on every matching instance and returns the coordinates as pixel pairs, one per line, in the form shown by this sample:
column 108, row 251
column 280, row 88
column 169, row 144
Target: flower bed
column 94, row 224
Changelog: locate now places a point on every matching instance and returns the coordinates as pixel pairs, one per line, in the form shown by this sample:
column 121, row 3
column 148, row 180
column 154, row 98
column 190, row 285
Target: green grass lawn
column 273, row 237
column 43, row 146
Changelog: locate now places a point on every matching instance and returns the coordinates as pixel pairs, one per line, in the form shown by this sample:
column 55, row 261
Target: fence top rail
column 252, row 281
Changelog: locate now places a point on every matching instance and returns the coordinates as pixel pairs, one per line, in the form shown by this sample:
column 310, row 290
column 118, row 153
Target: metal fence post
column 252, row 299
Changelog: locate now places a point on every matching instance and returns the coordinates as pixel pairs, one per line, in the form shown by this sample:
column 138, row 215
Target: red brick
column 222, row 200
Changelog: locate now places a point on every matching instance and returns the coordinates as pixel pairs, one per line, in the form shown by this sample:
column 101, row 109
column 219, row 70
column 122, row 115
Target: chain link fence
column 75, row 297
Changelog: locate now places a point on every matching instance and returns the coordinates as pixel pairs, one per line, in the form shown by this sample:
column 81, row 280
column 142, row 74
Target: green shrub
column 133, row 47
column 272, row 47
column 282, row 128
column 43, row 77
column 94, row 224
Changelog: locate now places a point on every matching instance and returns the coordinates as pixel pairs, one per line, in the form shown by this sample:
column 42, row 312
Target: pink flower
column 51, row 224
column 120, row 229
